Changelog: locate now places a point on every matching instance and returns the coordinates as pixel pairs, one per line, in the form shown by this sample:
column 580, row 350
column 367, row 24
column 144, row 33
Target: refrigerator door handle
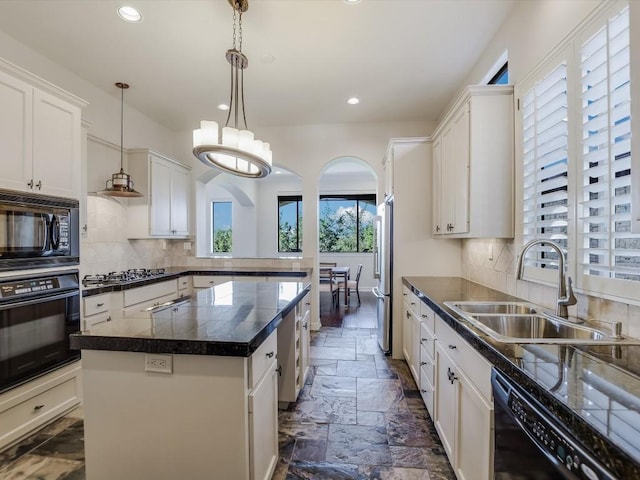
column 376, row 246
column 377, row 293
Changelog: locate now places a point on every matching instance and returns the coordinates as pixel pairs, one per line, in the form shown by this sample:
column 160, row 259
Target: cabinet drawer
column 184, row 283
column 149, row 292
column 474, row 365
column 427, row 339
column 143, row 308
column 427, row 366
column 262, row 358
column 428, row 316
column 32, row 412
column 96, row 304
column 206, row 281
column 93, row 320
column 426, row 392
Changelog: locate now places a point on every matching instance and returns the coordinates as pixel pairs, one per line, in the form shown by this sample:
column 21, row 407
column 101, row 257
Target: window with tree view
column 221, row 233
column 346, row 223
column 290, row 223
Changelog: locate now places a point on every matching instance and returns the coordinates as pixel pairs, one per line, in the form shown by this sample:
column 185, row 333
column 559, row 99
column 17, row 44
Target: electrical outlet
column 158, row 363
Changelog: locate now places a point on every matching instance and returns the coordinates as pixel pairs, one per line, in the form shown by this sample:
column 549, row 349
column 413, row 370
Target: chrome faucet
column 565, row 291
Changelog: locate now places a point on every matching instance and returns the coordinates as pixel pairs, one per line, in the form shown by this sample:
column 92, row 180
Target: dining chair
column 329, row 283
column 352, row 285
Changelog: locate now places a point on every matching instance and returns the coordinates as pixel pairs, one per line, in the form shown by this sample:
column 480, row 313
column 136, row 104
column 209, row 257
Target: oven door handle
column 39, row 299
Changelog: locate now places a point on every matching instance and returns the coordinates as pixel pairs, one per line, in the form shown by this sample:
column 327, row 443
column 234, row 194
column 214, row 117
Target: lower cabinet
column 28, row 407
column 463, row 413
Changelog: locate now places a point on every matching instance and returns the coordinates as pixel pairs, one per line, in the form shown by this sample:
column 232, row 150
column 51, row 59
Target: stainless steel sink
column 495, row 307
column 521, row 322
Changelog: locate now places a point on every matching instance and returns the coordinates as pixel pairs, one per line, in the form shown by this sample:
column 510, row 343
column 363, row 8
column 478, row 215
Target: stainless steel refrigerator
column 383, row 271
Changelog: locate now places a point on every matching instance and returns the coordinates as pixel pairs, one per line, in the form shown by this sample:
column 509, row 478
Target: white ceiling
column 404, row 59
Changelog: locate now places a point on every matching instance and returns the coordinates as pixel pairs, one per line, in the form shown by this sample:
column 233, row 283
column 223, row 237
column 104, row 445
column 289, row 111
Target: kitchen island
column 190, row 389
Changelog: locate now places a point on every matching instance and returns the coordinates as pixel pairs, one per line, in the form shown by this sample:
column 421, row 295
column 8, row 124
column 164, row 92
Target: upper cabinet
column 163, row 211
column 40, row 136
column 473, row 166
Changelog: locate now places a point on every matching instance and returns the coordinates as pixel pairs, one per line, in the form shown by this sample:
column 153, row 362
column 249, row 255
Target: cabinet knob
column 279, row 370
column 452, row 347
column 423, row 339
column 38, row 407
column 306, row 326
column 408, row 314
column 424, row 363
column 269, row 355
column 211, row 282
column 437, row 228
column 424, row 391
column 99, row 304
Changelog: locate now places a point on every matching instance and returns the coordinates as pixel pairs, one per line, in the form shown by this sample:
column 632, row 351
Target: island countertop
column 230, row 319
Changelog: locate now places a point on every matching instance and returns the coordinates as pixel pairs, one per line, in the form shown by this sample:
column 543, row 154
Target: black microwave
column 38, row 231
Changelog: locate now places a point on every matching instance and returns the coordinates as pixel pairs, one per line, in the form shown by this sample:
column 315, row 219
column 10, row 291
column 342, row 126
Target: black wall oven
column 37, row 315
column 38, row 231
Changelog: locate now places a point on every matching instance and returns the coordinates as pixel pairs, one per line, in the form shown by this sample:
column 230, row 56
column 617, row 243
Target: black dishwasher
column 530, row 444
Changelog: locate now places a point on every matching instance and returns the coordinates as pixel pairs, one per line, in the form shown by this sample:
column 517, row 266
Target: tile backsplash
column 105, row 247
column 492, row 262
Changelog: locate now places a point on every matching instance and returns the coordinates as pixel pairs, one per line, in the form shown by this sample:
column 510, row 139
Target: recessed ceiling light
column 129, row 14
column 223, row 106
column 353, row 101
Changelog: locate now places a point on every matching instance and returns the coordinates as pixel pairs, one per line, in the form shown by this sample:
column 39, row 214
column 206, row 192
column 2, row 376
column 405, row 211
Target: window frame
column 357, row 197
column 212, row 250
column 299, row 230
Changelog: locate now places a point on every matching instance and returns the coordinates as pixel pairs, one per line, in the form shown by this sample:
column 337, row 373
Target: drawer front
column 149, row 292
column 142, row 309
column 262, row 358
column 93, row 320
column 206, row 281
column 428, row 316
column 184, row 283
column 23, row 417
column 428, row 339
column 474, row 365
column 96, row 304
column 427, row 366
column 427, row 392
column 412, row 300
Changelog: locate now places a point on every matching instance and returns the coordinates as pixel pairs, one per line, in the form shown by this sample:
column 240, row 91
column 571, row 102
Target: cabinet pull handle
column 451, row 375
column 30, row 184
column 306, row 326
column 424, row 316
column 424, row 391
column 437, row 228
column 38, row 407
column 39, row 185
column 211, row 282
column 408, row 314
column 423, row 339
column 404, row 294
column 100, row 304
column 452, row 347
column 424, row 363
column 270, row 354
column 279, row 370
column 413, row 304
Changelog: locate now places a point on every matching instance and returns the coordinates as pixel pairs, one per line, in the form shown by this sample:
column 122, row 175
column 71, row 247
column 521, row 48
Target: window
column 609, row 248
column 290, row 223
column 221, row 227
column 545, row 164
column 346, row 223
column 501, row 77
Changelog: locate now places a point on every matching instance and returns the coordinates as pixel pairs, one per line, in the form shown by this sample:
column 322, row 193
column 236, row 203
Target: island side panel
column 192, row 423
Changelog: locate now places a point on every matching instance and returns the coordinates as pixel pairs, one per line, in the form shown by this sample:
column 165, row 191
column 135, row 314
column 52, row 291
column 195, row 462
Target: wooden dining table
column 343, row 272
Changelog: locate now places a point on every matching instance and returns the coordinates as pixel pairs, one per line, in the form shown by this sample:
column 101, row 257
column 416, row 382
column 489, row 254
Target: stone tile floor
column 359, row 416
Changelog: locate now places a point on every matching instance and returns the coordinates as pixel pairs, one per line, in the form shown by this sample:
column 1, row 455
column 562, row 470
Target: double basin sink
column 522, row 322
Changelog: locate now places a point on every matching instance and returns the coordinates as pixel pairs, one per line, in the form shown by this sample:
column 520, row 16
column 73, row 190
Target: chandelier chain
column 235, row 21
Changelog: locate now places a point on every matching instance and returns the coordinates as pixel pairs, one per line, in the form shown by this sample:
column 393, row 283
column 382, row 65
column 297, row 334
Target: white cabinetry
column 222, row 409
column 473, row 165
column 293, row 351
column 427, row 357
column 463, row 405
column 96, row 309
column 163, row 211
column 411, row 332
column 30, row 406
column 139, row 298
column 40, row 138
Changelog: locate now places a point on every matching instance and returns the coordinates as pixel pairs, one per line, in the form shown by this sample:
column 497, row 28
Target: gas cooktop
column 117, row 278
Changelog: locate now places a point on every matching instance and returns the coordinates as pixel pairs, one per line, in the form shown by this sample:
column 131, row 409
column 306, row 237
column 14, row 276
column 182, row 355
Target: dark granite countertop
column 231, row 319
column 594, row 390
column 172, row 273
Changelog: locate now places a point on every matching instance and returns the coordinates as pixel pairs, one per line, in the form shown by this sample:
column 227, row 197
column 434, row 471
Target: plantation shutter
column 609, row 249
column 545, row 144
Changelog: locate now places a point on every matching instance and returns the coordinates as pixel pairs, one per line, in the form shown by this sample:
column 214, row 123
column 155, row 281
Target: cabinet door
column 460, row 174
column 474, row 436
column 180, row 201
column 436, row 222
column 56, row 146
column 446, row 401
column 415, row 348
column 160, row 210
column 16, row 99
column 263, row 426
column 305, row 345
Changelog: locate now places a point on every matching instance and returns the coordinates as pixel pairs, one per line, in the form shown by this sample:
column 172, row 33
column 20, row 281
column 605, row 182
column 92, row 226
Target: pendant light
column 121, row 183
column 235, row 151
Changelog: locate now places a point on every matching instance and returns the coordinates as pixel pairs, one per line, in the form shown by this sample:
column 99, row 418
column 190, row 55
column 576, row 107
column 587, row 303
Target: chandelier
column 234, row 150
